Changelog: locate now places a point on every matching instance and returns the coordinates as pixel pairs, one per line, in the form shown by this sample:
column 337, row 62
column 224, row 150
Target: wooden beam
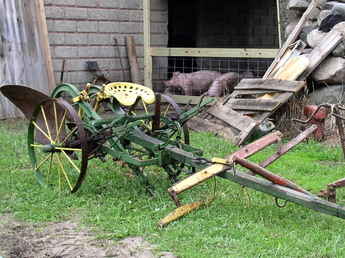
column 279, row 24
column 133, row 61
column 231, row 117
column 43, row 30
column 215, row 52
column 147, row 44
column 270, row 84
column 267, row 105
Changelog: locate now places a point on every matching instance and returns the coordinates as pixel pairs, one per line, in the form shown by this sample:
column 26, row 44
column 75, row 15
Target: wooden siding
column 24, row 49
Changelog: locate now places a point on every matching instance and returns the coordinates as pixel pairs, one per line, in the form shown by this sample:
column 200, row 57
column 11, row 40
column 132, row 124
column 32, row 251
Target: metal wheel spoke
column 42, row 162
column 56, row 120
column 57, row 164
column 69, row 135
column 46, row 122
column 145, row 107
column 64, row 173
column 67, row 149
column 50, row 167
column 43, row 132
column 166, row 110
column 37, row 145
column 60, row 127
column 70, row 160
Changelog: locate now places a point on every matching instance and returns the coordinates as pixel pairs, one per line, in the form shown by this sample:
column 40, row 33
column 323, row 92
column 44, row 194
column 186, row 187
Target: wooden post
column 43, row 29
column 279, row 24
column 147, row 44
column 132, row 57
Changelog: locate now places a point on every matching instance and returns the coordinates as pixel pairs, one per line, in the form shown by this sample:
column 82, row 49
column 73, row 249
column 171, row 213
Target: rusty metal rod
column 268, row 175
column 288, row 146
column 339, row 122
column 157, row 116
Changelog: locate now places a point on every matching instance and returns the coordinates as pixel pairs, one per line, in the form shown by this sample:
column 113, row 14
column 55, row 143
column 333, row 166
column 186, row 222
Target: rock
column 294, row 15
column 340, row 27
column 332, row 4
column 290, row 28
column 339, row 51
column 333, row 94
column 314, row 15
column 314, row 37
column 323, row 15
column 300, row 5
column 337, row 16
column 305, row 31
column 330, row 71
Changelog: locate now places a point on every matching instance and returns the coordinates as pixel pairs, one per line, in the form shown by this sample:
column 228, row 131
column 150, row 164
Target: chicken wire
column 164, row 67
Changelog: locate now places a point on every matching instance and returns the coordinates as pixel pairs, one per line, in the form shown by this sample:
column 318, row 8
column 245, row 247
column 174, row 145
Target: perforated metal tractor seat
column 127, row 93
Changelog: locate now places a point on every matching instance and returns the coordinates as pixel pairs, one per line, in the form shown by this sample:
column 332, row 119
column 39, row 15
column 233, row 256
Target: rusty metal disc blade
column 24, row 98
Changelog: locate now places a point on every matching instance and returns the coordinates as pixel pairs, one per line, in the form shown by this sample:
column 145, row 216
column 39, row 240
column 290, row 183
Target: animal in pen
column 191, row 83
column 68, row 129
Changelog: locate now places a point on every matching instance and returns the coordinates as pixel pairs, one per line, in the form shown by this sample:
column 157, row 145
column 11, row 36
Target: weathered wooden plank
column 293, row 36
column 24, row 47
column 43, row 32
column 253, row 104
column 215, row 52
column 252, row 92
column 292, row 69
column 231, row 117
column 133, row 61
column 322, row 50
column 270, row 84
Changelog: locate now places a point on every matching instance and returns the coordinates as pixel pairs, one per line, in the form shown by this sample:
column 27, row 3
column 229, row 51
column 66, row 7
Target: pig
column 192, row 84
column 223, row 84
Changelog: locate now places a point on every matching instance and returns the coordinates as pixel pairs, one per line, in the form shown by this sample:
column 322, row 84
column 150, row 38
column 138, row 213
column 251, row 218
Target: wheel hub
column 50, row 148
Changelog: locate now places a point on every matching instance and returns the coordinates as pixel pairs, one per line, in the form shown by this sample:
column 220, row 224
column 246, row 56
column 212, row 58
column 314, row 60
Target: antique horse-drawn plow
column 73, row 126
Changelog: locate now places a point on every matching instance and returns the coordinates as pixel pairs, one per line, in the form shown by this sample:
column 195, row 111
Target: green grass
column 239, row 223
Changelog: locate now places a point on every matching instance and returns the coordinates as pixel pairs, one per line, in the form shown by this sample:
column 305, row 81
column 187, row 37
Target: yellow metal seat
column 127, row 93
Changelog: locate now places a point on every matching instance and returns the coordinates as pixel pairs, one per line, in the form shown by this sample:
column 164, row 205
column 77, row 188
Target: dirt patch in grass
column 65, row 239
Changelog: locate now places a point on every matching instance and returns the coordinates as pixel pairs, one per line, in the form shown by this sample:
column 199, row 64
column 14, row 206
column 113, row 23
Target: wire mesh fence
column 226, row 73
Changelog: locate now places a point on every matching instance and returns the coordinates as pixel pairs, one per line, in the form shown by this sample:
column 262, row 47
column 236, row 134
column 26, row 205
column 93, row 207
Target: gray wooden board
column 265, row 186
column 270, row 84
column 236, row 93
column 25, row 57
column 253, row 104
column 231, row 117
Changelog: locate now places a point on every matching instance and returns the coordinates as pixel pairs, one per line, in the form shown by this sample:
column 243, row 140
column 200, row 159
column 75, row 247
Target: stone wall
column 84, row 30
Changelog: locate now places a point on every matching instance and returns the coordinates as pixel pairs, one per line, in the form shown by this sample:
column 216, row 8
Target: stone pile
column 332, row 70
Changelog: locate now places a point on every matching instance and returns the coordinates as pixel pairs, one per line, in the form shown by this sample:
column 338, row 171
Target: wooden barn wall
column 24, row 51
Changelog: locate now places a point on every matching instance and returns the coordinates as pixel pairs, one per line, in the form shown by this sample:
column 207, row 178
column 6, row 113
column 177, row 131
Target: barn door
column 24, row 49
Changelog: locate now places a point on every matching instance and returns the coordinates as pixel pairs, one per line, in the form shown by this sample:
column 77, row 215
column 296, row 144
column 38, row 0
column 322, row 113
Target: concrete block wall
column 84, row 30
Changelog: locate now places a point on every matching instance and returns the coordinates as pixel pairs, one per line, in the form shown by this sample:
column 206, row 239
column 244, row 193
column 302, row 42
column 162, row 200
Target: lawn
column 239, row 223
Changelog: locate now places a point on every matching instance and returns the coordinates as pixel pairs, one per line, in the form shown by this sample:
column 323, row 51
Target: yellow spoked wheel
column 57, row 145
